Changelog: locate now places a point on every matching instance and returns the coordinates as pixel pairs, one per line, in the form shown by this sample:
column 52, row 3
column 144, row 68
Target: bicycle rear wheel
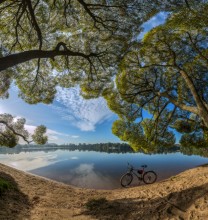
column 149, row 177
column 126, row 179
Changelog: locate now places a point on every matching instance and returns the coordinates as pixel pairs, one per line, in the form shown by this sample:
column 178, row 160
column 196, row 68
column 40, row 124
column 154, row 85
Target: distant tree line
column 98, row 147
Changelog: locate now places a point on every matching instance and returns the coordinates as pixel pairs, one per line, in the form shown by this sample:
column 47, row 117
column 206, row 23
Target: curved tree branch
column 14, row 132
column 178, row 104
column 18, row 58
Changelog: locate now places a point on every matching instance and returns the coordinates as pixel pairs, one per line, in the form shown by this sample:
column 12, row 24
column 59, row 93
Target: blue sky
column 70, row 118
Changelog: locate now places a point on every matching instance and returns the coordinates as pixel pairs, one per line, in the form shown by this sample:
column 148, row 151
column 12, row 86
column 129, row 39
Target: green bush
column 4, row 186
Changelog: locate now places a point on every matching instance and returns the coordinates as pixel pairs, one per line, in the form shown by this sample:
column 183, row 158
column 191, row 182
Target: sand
column 184, row 196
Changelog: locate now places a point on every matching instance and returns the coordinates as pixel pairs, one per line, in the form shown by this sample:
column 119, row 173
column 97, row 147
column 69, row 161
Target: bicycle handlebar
column 131, row 167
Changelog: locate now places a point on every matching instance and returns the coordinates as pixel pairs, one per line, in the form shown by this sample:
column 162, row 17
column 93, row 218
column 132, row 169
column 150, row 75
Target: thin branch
column 16, row 133
column 35, row 23
column 95, row 18
column 169, row 119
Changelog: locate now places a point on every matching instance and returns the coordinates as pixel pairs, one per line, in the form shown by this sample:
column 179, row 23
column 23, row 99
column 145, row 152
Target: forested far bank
column 103, row 147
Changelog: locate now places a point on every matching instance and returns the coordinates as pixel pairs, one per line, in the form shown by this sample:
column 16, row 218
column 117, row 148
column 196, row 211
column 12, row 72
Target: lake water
column 98, row 170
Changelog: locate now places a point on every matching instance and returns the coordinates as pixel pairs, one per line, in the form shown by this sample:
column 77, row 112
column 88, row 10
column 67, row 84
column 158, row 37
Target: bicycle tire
column 126, row 179
column 149, row 177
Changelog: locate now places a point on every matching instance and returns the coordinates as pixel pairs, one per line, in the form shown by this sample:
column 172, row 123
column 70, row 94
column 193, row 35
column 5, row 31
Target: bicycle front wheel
column 126, row 179
column 149, row 177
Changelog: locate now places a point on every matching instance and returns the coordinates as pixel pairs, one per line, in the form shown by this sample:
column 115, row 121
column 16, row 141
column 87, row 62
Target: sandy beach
column 184, row 196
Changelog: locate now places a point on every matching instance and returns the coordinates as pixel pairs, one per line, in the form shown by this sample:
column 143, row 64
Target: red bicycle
column 147, row 177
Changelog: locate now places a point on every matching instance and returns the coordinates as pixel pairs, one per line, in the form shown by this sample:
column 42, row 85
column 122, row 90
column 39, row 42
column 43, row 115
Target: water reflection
column 74, row 158
column 93, row 169
column 86, row 176
column 29, row 161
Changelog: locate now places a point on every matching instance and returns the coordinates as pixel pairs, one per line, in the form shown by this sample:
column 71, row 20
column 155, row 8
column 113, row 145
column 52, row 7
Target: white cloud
column 74, row 136
column 52, row 135
column 31, row 129
column 82, row 113
column 52, row 138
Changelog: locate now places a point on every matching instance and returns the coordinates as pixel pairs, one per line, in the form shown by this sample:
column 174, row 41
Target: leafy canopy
column 166, row 76
column 53, row 42
column 75, row 42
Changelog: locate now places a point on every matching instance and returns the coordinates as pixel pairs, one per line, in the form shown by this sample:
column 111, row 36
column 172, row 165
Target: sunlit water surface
column 97, row 170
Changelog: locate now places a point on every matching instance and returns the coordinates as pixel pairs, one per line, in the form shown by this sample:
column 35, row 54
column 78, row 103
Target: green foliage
column 53, row 43
column 5, row 81
column 5, row 186
column 8, row 138
column 194, row 150
column 196, row 139
column 12, row 130
column 82, row 43
column 140, row 137
column 39, row 135
column 102, row 29
column 165, row 75
column 183, row 126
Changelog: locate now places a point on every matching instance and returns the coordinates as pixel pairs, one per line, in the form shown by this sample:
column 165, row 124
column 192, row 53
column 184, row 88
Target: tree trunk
column 202, row 110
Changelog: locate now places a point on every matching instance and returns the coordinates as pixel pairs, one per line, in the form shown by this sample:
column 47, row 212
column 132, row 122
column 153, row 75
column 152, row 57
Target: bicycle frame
column 147, row 177
column 134, row 172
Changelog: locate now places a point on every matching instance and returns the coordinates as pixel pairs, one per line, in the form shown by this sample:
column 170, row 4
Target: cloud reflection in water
column 27, row 161
column 86, row 176
column 74, row 158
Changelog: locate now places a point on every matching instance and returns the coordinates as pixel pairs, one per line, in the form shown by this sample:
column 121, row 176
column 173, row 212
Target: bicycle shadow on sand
column 13, row 203
column 175, row 204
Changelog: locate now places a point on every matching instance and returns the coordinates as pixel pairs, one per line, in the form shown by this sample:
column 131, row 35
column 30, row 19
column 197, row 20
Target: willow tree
column 49, row 43
column 166, row 76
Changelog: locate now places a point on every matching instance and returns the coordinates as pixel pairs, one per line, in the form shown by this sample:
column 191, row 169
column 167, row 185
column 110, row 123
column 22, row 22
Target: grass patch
column 5, row 185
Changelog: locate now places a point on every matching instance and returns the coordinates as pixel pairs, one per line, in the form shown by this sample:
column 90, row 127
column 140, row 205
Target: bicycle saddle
column 144, row 166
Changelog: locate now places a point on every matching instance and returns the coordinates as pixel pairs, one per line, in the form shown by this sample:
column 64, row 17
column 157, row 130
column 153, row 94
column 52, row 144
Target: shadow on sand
column 13, row 203
column 173, row 206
